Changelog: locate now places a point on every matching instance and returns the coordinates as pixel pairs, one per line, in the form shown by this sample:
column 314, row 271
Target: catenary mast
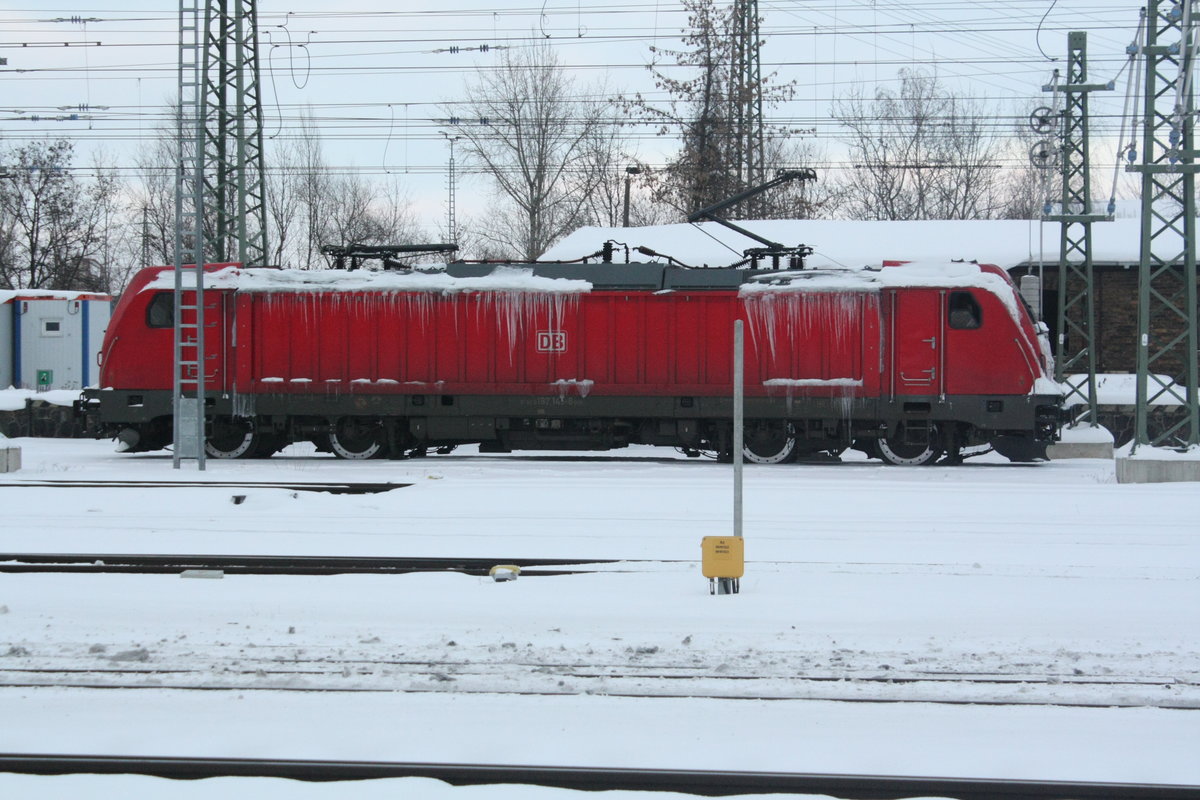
column 1076, row 321
column 219, row 182
column 746, row 100
column 1167, row 346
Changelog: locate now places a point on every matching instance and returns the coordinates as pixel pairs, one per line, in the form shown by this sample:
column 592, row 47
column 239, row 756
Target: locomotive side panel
column 717, row 343
column 614, row 343
column 987, row 352
column 657, row 321
column 820, row 344
column 684, row 346
column 333, row 351
column 959, row 342
column 137, row 350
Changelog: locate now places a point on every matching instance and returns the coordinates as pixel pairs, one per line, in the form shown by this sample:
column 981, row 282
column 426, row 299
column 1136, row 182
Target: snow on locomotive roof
column 50, row 294
column 500, row 279
column 932, row 274
column 939, row 274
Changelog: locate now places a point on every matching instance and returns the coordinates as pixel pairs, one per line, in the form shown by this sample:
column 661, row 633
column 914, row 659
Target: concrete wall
column 42, row 419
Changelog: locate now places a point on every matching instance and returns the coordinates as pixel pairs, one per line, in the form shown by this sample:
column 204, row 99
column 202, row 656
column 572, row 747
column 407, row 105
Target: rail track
column 709, row 783
column 332, row 488
column 480, row 663
column 506, row 668
column 276, row 565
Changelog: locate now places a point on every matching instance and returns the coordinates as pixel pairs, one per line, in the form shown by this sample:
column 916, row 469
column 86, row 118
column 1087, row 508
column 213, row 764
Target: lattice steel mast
column 1076, row 306
column 1167, row 344
column 746, row 100
column 233, row 152
column 451, row 191
column 219, row 171
column 187, row 404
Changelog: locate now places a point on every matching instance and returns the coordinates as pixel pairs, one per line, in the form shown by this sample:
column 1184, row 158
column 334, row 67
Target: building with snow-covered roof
column 51, row 339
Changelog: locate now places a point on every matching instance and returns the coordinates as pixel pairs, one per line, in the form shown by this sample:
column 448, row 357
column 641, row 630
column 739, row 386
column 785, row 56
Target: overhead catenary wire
column 377, row 43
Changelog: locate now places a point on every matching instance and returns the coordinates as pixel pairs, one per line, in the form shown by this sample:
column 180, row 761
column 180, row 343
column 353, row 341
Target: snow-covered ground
column 1032, row 621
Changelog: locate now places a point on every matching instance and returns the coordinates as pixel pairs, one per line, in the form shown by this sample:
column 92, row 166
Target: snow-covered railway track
column 341, row 487
column 538, row 677
column 710, row 783
column 275, row 565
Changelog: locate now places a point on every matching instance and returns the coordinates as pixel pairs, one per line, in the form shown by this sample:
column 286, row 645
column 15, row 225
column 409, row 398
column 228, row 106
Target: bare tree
column 823, row 197
column 922, row 153
column 365, row 212
column 309, row 205
column 306, row 179
column 53, row 223
column 284, row 209
column 545, row 151
column 153, row 196
column 700, row 111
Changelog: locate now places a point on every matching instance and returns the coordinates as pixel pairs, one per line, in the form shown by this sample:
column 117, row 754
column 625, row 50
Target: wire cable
column 1038, row 35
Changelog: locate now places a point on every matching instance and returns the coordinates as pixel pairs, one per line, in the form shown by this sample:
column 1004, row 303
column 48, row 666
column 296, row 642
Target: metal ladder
column 188, row 399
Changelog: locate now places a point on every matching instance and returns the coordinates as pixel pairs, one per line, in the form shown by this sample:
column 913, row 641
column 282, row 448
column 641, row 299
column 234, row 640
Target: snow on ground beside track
column 127, row 787
column 14, row 399
column 1069, row 587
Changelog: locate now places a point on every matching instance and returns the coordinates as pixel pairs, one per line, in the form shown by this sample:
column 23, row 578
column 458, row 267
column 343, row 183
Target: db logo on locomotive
column 552, row 341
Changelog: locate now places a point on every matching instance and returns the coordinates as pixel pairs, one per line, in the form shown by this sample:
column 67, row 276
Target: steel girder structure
column 1076, row 305
column 1167, row 334
column 233, row 141
column 747, row 102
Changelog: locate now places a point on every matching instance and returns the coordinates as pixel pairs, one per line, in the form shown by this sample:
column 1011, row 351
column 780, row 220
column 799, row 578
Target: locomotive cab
column 136, row 360
column 966, row 368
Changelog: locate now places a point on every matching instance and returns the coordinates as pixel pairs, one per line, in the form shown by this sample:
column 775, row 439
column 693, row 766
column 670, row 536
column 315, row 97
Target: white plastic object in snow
column 504, row 572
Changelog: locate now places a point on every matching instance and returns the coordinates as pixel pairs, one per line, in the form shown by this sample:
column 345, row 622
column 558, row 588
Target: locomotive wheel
column 358, row 438
column 231, row 438
column 769, row 443
column 906, row 454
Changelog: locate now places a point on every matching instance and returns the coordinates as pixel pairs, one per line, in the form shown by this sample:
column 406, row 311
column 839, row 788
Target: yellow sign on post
column 724, row 559
column 724, row 556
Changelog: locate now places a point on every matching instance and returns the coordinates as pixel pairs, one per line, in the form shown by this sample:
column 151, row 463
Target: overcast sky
column 378, row 75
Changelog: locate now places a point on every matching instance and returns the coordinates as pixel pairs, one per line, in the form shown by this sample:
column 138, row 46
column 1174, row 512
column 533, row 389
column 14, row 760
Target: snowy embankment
column 14, row 399
column 1023, row 621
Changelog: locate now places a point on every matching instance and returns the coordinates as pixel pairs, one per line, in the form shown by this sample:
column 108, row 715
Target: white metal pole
column 738, row 392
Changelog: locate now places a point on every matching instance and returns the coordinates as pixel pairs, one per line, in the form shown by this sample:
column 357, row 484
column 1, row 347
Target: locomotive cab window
column 161, row 311
column 965, row 313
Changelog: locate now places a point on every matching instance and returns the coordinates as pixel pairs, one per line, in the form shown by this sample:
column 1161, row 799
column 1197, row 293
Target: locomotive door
column 917, row 341
column 215, row 352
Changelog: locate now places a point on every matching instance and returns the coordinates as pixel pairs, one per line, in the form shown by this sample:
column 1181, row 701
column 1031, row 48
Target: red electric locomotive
column 908, row 362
